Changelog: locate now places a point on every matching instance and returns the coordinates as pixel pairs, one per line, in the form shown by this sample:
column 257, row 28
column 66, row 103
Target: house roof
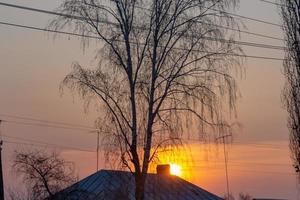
column 118, row 185
column 266, row 199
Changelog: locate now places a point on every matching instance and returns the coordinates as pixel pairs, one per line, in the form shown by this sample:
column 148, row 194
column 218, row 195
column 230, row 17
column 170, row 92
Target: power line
column 41, row 11
column 251, row 44
column 274, row 3
column 242, row 164
column 42, row 144
column 247, row 32
column 248, row 18
column 235, row 15
column 235, row 162
column 261, row 145
column 46, row 125
column 78, row 17
column 236, row 169
column 253, row 171
column 230, row 28
column 221, row 12
column 240, row 170
column 279, row 4
column 265, row 172
column 108, row 22
column 253, row 144
column 86, row 36
column 47, row 121
column 48, row 30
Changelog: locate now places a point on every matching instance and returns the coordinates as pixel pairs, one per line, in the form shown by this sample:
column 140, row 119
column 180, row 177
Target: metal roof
column 119, row 185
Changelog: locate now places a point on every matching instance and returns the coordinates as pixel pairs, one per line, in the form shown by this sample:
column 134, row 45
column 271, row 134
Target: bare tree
column 45, row 173
column 16, row 194
column 242, row 196
column 290, row 12
column 164, row 72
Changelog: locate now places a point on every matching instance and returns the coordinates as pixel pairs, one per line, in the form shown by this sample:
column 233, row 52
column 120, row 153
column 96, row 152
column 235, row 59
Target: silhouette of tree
column 290, row 12
column 15, row 194
column 242, row 196
column 44, row 173
column 164, row 71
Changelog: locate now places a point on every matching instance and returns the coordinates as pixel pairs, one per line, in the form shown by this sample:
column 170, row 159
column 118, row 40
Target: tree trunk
column 139, row 186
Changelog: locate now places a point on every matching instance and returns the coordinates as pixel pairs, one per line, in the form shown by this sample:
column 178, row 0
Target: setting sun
column 175, row 170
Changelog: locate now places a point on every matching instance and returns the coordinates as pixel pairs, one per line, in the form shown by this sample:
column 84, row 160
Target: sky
column 33, row 63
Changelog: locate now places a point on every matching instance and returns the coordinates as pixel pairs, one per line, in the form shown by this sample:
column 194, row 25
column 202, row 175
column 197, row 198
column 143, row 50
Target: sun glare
column 175, row 170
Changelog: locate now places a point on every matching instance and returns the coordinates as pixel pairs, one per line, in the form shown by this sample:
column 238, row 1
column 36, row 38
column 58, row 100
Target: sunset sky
column 33, row 64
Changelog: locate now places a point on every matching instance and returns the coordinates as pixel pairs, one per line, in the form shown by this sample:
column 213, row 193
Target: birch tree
column 164, row 69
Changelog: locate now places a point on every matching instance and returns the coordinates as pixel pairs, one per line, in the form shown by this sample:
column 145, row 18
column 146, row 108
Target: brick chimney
column 163, row 170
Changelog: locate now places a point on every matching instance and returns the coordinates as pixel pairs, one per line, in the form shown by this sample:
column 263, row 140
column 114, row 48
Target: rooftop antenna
column 97, row 148
column 1, row 172
column 225, row 161
column 98, row 137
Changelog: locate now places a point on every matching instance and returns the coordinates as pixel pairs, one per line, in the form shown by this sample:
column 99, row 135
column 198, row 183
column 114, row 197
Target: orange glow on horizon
column 180, row 160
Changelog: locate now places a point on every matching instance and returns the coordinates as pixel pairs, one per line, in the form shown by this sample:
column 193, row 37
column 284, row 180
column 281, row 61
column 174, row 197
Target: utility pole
column 1, row 172
column 225, row 160
column 98, row 138
column 97, row 148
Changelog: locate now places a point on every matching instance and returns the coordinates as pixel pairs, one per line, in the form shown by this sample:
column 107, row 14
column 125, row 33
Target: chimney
column 163, row 170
